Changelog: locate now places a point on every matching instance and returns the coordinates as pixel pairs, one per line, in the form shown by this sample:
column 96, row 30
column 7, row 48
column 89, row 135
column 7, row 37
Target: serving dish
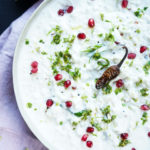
column 61, row 74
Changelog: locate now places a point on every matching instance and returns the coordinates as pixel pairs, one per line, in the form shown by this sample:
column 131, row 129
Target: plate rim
column 14, row 76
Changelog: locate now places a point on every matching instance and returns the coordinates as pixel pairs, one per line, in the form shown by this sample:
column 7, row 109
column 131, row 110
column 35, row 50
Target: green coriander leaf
column 29, row 105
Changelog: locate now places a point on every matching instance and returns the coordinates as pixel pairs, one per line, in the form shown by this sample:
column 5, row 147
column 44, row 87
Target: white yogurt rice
column 115, row 113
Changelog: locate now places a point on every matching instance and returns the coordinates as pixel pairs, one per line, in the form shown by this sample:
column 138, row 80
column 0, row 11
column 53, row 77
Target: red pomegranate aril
column 70, row 9
column 49, row 103
column 131, row 55
column 133, row 149
column 144, row 107
column 34, row 64
column 148, row 134
column 91, row 23
column 124, row 136
column 68, row 104
column 81, row 36
column 89, row 144
column 61, row 12
column 143, row 49
column 58, row 77
column 117, row 42
column 74, row 88
column 34, row 70
column 90, row 130
column 119, row 83
column 67, row 83
column 84, row 137
column 124, row 3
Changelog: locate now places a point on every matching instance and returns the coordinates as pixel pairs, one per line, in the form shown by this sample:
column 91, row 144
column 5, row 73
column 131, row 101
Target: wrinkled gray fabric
column 14, row 133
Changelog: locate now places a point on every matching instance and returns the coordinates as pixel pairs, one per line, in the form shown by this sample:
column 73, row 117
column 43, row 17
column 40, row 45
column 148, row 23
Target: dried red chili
column 111, row 73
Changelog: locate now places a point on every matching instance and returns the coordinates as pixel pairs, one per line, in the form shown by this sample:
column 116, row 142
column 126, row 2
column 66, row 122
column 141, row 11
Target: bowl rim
column 14, row 75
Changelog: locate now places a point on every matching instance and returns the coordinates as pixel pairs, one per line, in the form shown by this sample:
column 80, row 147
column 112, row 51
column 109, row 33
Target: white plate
column 28, row 120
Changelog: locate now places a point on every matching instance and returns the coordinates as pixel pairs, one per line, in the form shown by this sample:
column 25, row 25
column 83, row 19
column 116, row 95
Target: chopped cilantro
column 92, row 49
column 84, row 97
column 144, row 118
column 87, row 84
column 87, row 40
column 61, row 83
column 107, row 89
column 138, row 83
column 74, row 123
column 103, row 63
column 61, row 123
column 96, row 125
column 140, row 12
column 57, row 35
column 108, row 21
column 69, row 40
column 124, row 143
column 41, row 41
column 37, row 49
column 131, row 63
column 29, row 105
column 49, row 83
column 100, row 35
column 56, row 39
column 109, row 37
column 62, row 57
column 76, row 74
column 146, row 67
column 134, row 99
column 144, row 91
column 118, row 90
column 94, row 95
column 138, row 31
column 57, row 29
column 96, row 56
column 106, row 112
column 27, row 42
column 102, row 17
column 83, row 114
column 43, row 53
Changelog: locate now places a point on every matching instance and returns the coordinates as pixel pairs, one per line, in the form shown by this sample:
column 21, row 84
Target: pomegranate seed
column 89, row 144
column 119, row 83
column 74, row 88
column 58, row 77
column 70, row 9
column 121, row 34
column 117, row 42
column 34, row 70
column 143, row 49
column 84, row 137
column 131, row 55
column 144, row 107
column 67, row 83
column 91, row 23
column 124, row 136
column 61, row 12
column 133, row 149
column 68, row 104
column 124, row 3
column 81, row 36
column 49, row 103
column 90, row 130
column 148, row 134
column 34, row 64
